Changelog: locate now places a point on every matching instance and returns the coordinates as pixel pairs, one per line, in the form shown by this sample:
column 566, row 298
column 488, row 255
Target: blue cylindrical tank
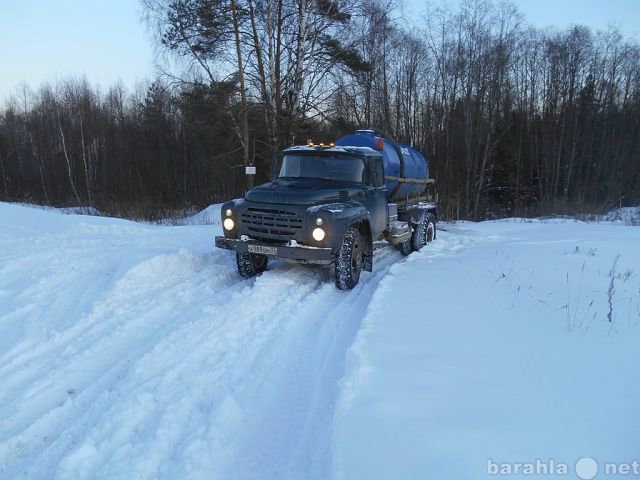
column 400, row 161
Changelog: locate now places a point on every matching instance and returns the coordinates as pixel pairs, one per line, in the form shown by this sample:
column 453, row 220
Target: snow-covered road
column 136, row 351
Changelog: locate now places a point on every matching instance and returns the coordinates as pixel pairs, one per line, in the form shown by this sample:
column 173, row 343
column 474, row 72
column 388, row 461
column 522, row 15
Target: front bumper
column 322, row 256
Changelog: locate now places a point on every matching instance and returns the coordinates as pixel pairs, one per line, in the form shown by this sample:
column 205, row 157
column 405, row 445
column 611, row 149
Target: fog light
column 318, row 234
column 229, row 224
column 228, row 212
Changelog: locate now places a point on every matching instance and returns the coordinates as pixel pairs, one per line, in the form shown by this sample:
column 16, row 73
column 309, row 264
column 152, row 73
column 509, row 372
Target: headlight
column 228, row 212
column 319, row 221
column 318, row 234
column 228, row 224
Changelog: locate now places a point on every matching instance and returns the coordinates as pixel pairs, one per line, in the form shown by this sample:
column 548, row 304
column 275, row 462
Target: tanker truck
column 329, row 204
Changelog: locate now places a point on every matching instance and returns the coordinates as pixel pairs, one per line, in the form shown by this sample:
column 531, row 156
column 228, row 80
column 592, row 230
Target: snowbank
column 624, row 216
column 208, row 216
column 503, row 352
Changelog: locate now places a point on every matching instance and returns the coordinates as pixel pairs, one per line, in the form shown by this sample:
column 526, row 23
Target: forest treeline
column 515, row 120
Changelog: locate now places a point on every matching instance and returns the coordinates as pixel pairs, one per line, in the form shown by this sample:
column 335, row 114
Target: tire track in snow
column 219, row 348
column 293, row 432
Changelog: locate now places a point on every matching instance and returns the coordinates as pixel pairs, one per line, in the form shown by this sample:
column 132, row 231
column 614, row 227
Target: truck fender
column 344, row 215
column 417, row 214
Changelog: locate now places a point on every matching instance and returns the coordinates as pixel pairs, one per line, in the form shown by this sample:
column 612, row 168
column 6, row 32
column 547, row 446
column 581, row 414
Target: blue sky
column 598, row 14
column 52, row 39
column 106, row 41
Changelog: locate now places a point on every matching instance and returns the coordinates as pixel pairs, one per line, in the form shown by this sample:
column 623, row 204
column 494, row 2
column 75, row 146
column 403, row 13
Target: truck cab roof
column 336, row 149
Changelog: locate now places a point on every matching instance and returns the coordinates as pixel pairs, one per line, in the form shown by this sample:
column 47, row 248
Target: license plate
column 263, row 250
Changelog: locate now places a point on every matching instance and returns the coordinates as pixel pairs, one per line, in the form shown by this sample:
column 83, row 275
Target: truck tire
column 424, row 233
column 406, row 247
column 350, row 259
column 251, row 264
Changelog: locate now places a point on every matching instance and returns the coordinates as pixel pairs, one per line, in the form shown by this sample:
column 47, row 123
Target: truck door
column 376, row 196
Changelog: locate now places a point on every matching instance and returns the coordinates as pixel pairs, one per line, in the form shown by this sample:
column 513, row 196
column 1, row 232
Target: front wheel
column 350, row 259
column 251, row 264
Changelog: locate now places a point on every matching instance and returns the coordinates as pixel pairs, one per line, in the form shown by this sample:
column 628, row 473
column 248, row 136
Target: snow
column 208, row 216
column 502, row 350
column 295, row 244
column 623, row 215
column 136, row 351
column 328, row 148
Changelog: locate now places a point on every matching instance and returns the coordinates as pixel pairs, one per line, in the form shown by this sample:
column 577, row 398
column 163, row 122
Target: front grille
column 271, row 223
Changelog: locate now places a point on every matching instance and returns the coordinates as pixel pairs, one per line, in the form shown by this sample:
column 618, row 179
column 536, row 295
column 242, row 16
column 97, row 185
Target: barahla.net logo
column 587, row 468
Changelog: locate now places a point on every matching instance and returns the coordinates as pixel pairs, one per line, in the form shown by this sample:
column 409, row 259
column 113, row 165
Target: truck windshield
column 342, row 168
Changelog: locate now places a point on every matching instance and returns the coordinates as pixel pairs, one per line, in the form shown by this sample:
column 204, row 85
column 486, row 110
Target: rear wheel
column 425, row 232
column 350, row 259
column 251, row 264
